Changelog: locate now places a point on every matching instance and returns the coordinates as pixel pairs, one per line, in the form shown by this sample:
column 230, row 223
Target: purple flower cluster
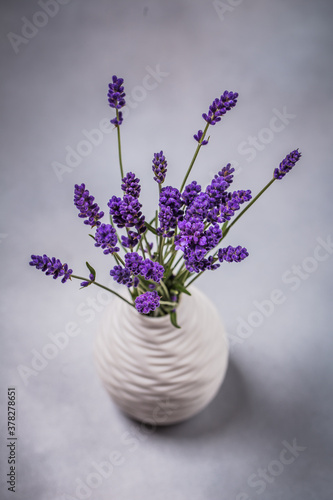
column 51, row 267
column 151, row 270
column 126, row 212
column 199, row 230
column 122, row 275
column 227, row 173
column 231, row 254
column 135, row 265
column 87, row 283
column 196, row 242
column 116, row 98
column 106, row 238
column 287, row 164
column 170, row 210
column 159, row 167
column 131, row 240
column 198, row 138
column 147, row 302
column 190, row 192
column 131, row 185
column 220, row 106
column 84, row 202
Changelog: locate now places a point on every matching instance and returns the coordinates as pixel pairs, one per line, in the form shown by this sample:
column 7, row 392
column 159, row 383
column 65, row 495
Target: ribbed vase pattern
column 157, row 373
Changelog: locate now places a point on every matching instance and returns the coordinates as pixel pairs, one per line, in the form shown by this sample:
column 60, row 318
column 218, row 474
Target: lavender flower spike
column 131, row 185
column 106, row 238
column 147, row 302
column 87, row 283
column 220, row 106
column 231, row 254
column 84, row 202
column 51, row 266
column 198, row 137
column 116, row 94
column 159, row 167
column 116, row 98
column 122, row 275
column 151, row 270
column 287, row 164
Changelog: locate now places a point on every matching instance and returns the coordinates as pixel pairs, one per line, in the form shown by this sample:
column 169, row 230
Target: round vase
column 156, row 373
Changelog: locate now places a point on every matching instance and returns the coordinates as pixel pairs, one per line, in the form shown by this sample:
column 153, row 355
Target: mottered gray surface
column 268, row 433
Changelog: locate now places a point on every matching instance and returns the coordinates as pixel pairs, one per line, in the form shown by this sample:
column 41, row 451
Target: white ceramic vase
column 156, row 373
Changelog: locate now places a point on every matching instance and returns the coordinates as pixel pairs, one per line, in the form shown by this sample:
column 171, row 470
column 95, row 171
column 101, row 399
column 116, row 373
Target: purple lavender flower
column 131, row 185
column 106, row 238
column 51, row 266
column 242, row 196
column 159, row 167
column 87, row 283
column 196, row 242
column 231, row 254
column 220, row 106
column 131, row 240
column 133, row 262
column 147, row 302
column 117, row 121
column 198, row 266
column 84, row 202
column 191, row 232
column 190, row 192
column 198, row 137
column 199, row 207
column 116, row 94
column 287, row 164
column 216, row 190
column 170, row 210
column 122, row 275
column 126, row 212
column 151, row 270
column 227, row 173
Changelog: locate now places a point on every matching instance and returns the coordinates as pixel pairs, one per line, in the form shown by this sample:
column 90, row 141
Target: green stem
column 117, row 257
column 180, row 258
column 118, row 237
column 195, row 277
column 104, row 288
column 119, row 147
column 194, row 158
column 148, row 247
column 142, row 249
column 235, row 220
column 247, row 207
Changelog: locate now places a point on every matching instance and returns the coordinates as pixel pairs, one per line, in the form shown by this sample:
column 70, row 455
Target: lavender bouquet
column 158, row 260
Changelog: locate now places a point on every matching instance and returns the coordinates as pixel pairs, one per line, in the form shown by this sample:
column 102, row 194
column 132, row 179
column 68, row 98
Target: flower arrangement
column 187, row 229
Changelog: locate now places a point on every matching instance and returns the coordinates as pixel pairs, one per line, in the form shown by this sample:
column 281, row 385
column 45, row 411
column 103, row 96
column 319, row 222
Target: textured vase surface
column 157, row 373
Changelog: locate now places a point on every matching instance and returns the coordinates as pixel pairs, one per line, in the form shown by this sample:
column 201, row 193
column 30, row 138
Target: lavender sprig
column 287, row 164
column 116, row 99
column 220, row 106
column 147, row 302
column 159, row 167
column 88, row 209
column 51, row 267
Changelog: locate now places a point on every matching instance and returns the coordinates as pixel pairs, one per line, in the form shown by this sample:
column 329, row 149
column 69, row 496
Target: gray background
column 276, row 54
